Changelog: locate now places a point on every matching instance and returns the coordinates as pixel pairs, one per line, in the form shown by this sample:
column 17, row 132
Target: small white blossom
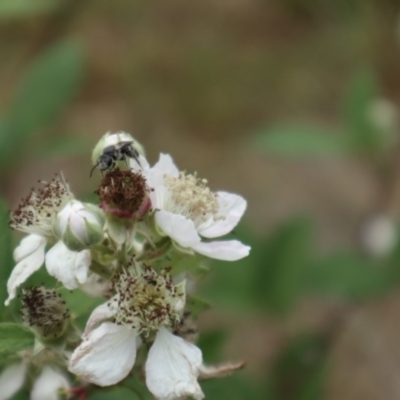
column 79, row 225
column 144, row 303
column 186, row 210
column 35, row 216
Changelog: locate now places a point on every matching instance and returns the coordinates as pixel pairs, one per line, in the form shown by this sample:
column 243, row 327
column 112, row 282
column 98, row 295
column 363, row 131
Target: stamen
column 44, row 310
column 147, row 300
column 34, row 213
column 191, row 197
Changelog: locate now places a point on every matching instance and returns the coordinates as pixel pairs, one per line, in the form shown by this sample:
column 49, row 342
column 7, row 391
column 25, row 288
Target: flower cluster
column 127, row 250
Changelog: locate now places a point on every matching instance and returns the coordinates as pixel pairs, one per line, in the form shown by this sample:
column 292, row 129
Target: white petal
column 11, row 380
column 96, row 286
column 30, row 257
column 231, row 208
column 228, row 250
column 172, row 368
column 69, row 267
column 28, row 245
column 48, row 384
column 106, row 355
column 178, row 228
column 155, row 179
column 99, row 314
column 166, row 165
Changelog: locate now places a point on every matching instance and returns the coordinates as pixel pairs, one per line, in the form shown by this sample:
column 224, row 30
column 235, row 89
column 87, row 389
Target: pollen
column 147, row 301
column 34, row 213
column 44, row 310
column 192, row 198
column 124, row 193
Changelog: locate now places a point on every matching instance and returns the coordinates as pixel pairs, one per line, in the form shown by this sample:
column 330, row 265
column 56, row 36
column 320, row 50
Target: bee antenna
column 91, row 171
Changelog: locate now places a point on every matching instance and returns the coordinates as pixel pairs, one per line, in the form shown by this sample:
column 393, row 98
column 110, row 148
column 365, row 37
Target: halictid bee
column 118, row 152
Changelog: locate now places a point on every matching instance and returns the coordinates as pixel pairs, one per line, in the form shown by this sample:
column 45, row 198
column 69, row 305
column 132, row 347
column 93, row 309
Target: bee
column 114, row 153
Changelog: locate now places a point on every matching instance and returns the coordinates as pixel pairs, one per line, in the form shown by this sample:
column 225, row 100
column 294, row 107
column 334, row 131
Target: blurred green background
column 291, row 103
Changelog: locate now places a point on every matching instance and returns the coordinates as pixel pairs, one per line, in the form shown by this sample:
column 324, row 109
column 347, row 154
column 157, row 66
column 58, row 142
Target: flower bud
column 111, row 142
column 44, row 311
column 79, row 225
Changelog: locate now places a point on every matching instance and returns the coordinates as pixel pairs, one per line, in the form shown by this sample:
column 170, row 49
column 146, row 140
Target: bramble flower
column 144, row 303
column 35, row 216
column 47, row 385
column 187, row 210
column 44, row 311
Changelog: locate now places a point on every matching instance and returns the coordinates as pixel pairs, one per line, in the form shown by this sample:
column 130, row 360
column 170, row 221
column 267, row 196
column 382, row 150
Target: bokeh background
column 293, row 104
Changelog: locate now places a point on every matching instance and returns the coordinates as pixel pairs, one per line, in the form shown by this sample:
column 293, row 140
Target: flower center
column 147, row 301
column 191, row 197
column 124, row 194
column 34, row 213
column 44, row 310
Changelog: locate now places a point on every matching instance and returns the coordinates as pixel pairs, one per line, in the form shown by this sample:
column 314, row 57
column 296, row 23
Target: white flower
column 45, row 387
column 35, row 216
column 186, row 210
column 143, row 303
column 79, row 225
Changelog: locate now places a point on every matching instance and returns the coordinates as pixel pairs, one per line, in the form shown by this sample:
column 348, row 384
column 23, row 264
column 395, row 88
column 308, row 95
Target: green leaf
column 231, row 285
column 211, row 345
column 347, row 275
column 49, row 84
column 302, row 140
column 282, row 264
column 300, row 371
column 234, row 387
column 14, row 337
column 6, row 255
column 363, row 90
column 196, row 306
column 24, row 8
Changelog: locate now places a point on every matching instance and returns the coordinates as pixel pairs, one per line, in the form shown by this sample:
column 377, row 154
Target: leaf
column 25, row 8
column 14, row 337
column 348, row 275
column 196, row 306
column 300, row 371
column 302, row 140
column 282, row 264
column 230, row 285
column 211, row 345
column 234, row 387
column 363, row 90
column 7, row 259
column 49, row 84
